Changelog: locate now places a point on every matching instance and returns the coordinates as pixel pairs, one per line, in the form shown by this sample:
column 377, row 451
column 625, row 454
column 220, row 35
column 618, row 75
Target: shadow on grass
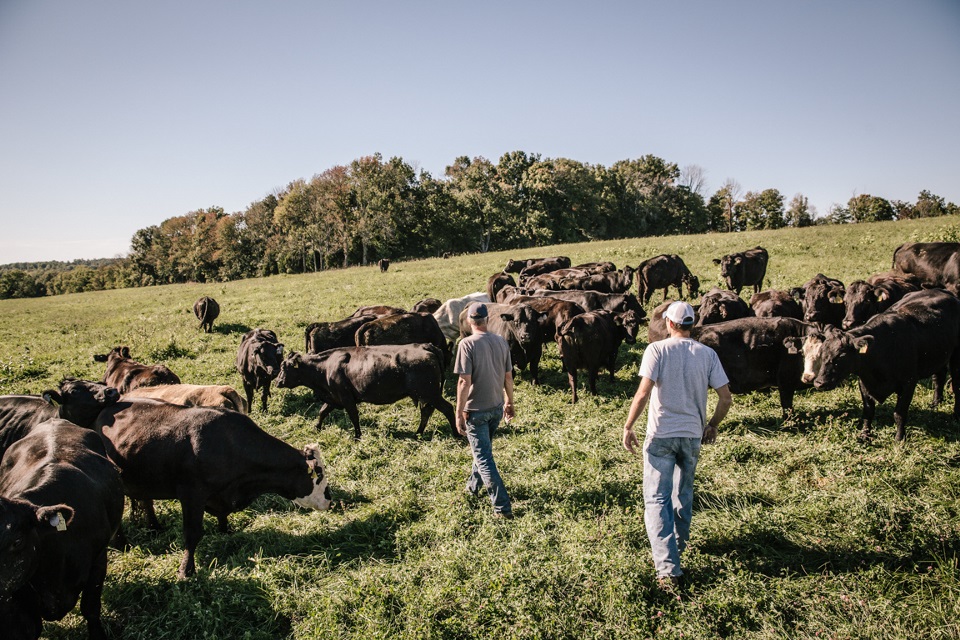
column 230, row 328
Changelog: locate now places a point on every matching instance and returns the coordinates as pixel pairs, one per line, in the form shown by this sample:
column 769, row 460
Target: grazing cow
column 404, row 328
column 448, row 315
column 865, row 299
column 596, row 267
column 592, row 340
column 517, row 266
column 206, row 309
column 123, row 374
column 61, row 504
column 774, row 303
column 519, row 325
column 823, row 300
column 915, row 338
column 343, row 378
column 936, row 264
column 427, row 305
column 194, row 395
column 663, row 272
column 498, row 281
column 209, row 459
column 378, row 310
column 543, row 266
column 258, row 362
column 78, row 401
column 744, row 269
column 384, row 264
column 595, row 301
column 718, row 305
column 320, row 336
column 610, row 282
column 754, row 354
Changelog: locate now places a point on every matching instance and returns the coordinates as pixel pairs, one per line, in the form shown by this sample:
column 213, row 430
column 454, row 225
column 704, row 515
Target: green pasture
column 800, row 530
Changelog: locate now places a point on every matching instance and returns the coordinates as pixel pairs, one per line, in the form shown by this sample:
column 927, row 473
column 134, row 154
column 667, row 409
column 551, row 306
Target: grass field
column 799, row 529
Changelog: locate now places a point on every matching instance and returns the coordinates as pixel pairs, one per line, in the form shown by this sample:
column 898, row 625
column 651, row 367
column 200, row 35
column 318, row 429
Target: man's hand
column 508, row 412
column 630, row 441
column 709, row 434
column 462, row 423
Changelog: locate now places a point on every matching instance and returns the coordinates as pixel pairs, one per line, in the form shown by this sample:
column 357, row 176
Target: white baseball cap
column 680, row 313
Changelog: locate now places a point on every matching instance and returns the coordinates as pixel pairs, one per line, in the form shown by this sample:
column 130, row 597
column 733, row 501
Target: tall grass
column 799, row 529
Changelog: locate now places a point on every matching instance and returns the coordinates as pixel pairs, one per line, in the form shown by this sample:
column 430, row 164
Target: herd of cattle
column 69, row 456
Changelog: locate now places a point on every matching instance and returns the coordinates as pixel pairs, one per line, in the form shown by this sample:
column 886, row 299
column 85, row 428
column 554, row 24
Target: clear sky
column 117, row 115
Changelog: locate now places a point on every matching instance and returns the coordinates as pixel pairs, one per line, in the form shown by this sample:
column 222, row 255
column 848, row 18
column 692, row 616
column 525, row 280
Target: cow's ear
column 863, row 343
column 125, row 352
column 792, row 345
column 506, row 317
column 52, row 397
column 58, row 516
column 716, row 261
column 882, row 295
column 100, row 357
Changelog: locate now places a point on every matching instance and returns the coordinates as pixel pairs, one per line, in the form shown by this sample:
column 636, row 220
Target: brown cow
column 320, row 336
column 591, row 340
column 123, row 374
column 194, row 395
column 207, row 310
column 663, row 272
column 744, row 269
column 404, row 328
column 774, row 303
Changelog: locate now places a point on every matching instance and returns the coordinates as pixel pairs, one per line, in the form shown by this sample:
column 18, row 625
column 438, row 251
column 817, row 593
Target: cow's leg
column 90, row 599
column 351, row 409
column 248, row 390
column 426, row 410
column 264, row 396
column 955, row 382
column 592, row 379
column 143, row 510
column 904, row 397
column 939, row 382
column 869, row 410
column 223, row 523
column 448, row 412
column 192, row 507
column 572, row 377
column 786, row 401
column 325, row 410
column 535, row 369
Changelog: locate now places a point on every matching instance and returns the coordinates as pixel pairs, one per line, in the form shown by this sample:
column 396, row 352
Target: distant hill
column 57, row 265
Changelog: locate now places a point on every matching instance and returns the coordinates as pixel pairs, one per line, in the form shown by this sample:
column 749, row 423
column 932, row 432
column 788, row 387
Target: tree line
column 375, row 208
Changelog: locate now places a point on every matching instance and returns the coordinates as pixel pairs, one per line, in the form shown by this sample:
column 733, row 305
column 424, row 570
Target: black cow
column 718, row 305
column 595, row 301
column 866, row 298
column 209, row 459
column 61, row 504
column 596, row 267
column 936, row 264
column 320, row 336
column 124, row 374
column 592, row 340
column 555, row 313
column 519, row 325
column 258, row 362
column 517, row 266
column 774, row 303
column 404, row 328
column 378, row 310
column 663, row 272
column 744, row 269
column 427, row 305
column 915, row 338
column 206, row 309
column 754, row 354
column 343, row 378
column 384, row 264
column 543, row 266
column 610, row 282
column 498, row 281
column 78, row 401
column 823, row 300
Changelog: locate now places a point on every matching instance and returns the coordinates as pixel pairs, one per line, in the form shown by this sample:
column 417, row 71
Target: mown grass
column 800, row 530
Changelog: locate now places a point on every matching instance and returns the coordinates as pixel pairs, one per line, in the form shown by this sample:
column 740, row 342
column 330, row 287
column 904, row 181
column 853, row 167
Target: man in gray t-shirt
column 674, row 376
column 484, row 396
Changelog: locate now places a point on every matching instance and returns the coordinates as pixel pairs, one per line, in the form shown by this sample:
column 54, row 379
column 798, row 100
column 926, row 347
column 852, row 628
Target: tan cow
column 194, row 395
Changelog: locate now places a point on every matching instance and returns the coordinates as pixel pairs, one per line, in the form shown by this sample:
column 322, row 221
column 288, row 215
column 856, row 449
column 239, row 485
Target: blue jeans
column 668, row 468
column 481, row 425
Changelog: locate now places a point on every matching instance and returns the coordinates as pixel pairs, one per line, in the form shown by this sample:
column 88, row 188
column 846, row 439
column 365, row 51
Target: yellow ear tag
column 862, row 349
column 58, row 522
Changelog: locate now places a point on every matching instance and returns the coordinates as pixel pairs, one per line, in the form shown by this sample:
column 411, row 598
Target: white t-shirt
column 681, row 370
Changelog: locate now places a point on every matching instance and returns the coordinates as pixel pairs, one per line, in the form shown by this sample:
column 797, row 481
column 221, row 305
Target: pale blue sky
column 117, row 115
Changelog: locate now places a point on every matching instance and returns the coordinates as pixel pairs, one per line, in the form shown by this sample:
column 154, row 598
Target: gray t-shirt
column 681, row 370
column 485, row 357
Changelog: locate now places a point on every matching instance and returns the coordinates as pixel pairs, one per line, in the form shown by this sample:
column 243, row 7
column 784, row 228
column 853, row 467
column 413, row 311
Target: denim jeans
column 481, row 425
column 668, row 468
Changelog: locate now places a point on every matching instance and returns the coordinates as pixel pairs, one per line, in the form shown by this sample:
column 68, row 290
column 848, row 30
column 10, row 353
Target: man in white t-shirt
column 674, row 376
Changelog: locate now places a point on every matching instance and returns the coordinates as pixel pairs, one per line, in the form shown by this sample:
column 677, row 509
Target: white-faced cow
column 744, row 269
column 343, row 378
column 209, row 459
column 258, row 362
column 61, row 502
column 207, row 310
column 917, row 337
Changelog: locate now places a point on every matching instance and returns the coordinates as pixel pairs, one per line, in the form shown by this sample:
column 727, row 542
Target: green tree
column 800, row 213
column 929, row 205
column 479, row 199
column 867, row 208
column 723, row 207
column 381, row 197
column 762, row 210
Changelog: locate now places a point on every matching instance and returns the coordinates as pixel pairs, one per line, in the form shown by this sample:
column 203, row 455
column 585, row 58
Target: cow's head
column 693, row 285
column 291, row 373
column 862, row 302
column 630, row 324
column 22, row 525
column 81, row 401
column 524, row 323
column 729, row 264
column 319, row 497
column 117, row 353
column 830, row 356
column 823, row 301
column 267, row 354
